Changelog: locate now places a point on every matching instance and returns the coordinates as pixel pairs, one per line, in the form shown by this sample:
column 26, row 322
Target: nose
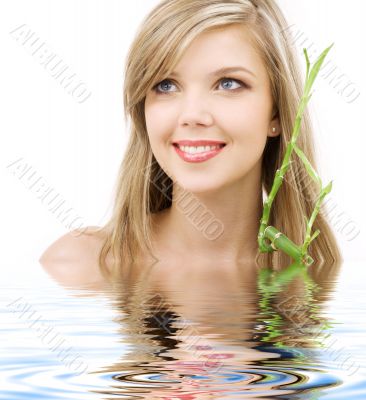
column 195, row 111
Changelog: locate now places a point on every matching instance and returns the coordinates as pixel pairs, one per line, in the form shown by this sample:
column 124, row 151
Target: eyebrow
column 222, row 71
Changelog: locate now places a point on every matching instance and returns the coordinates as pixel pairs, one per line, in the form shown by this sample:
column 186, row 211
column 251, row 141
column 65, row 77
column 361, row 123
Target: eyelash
column 244, row 85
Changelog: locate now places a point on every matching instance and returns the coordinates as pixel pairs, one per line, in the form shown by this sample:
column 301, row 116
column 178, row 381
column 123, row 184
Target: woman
column 211, row 90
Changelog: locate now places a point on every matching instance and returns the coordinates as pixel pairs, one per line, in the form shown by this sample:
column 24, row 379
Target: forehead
column 221, row 47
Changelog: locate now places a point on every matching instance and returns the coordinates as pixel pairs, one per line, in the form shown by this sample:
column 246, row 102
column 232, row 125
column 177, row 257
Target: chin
column 197, row 186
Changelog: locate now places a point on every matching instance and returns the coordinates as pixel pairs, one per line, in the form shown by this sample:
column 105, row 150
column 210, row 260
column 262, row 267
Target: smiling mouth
column 199, row 149
column 192, row 154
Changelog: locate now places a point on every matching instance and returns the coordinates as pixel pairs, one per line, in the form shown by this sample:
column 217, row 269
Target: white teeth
column 199, row 149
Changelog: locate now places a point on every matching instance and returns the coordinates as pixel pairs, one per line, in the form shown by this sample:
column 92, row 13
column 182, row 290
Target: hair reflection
column 223, row 341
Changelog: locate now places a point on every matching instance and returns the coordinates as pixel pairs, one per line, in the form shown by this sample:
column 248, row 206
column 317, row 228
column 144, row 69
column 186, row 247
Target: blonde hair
column 144, row 188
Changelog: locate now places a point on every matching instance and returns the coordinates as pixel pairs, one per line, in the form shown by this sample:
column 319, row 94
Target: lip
column 196, row 143
column 198, row 157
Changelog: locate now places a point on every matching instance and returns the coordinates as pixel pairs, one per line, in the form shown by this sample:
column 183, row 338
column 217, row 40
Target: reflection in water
column 186, row 332
column 219, row 333
column 292, row 314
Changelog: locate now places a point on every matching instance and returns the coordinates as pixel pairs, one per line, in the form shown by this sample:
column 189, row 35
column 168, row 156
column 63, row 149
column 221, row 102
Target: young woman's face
column 195, row 104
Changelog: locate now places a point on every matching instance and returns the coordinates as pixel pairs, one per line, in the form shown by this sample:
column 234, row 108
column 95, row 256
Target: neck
column 221, row 225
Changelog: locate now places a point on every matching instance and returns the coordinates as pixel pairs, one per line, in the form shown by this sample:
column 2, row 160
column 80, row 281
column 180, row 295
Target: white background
column 76, row 148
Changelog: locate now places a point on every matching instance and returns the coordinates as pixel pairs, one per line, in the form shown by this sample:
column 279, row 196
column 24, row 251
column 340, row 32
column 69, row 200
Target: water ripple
column 154, row 347
column 233, row 382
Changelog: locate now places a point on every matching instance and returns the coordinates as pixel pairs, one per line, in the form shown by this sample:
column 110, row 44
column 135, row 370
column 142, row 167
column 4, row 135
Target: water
column 232, row 335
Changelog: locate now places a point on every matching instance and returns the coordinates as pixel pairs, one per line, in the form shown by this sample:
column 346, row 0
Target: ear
column 274, row 128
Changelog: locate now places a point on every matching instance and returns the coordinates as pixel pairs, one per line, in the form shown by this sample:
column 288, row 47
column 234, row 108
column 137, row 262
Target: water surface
column 183, row 335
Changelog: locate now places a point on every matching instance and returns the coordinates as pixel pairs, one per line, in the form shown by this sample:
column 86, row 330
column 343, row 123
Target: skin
column 198, row 106
column 198, row 279
column 193, row 105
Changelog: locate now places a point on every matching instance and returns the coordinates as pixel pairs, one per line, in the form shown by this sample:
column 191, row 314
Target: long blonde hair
column 144, row 188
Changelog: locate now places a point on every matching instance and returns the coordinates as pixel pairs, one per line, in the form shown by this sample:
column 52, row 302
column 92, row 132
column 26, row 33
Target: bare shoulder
column 73, row 259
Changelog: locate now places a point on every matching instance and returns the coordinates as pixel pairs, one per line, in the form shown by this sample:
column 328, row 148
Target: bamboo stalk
column 298, row 253
column 281, row 241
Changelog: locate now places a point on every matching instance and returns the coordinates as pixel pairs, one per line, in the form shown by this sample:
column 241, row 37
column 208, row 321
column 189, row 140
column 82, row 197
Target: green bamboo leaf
column 307, row 63
column 309, row 168
column 306, row 101
column 323, row 193
column 316, row 67
column 307, row 243
column 315, row 234
column 328, row 188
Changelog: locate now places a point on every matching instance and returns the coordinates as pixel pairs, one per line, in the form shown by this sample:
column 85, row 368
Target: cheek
column 159, row 123
column 246, row 125
column 245, row 122
column 160, row 128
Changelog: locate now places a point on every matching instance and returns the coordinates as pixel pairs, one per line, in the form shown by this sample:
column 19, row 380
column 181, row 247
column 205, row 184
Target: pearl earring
column 273, row 129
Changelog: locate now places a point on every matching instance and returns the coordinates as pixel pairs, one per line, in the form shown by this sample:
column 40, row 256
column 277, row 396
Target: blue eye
column 164, row 84
column 167, row 82
column 232, row 80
